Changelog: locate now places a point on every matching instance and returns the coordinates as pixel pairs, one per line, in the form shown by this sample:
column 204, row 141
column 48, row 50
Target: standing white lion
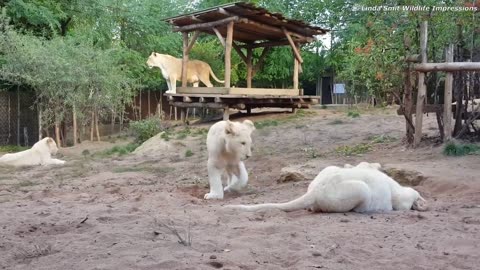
column 228, row 143
column 40, row 154
column 362, row 188
column 171, row 67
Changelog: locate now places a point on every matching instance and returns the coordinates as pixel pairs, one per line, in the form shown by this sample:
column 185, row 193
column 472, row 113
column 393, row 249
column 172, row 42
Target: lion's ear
column 229, row 128
column 49, row 140
column 154, row 53
column 249, row 124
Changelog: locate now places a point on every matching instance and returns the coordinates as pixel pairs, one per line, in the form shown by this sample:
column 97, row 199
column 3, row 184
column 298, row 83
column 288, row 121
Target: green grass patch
column 265, row 123
column 355, row 150
column 353, row 114
column 188, row 153
column 460, row 149
column 382, row 139
column 120, row 150
column 12, row 148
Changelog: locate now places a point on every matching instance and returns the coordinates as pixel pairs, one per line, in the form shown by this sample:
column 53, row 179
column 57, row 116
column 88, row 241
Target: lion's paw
column 210, row 196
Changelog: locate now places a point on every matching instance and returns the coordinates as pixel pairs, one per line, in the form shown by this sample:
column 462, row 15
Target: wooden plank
column 267, row 44
column 296, row 53
column 239, row 106
column 228, row 53
column 448, row 67
column 207, row 25
column 199, row 94
column 447, row 104
column 422, row 88
column 184, row 59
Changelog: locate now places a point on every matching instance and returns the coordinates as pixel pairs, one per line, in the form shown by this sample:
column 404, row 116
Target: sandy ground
column 124, row 212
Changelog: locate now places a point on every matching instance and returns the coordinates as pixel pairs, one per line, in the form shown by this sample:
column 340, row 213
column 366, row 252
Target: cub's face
column 238, row 138
column 52, row 146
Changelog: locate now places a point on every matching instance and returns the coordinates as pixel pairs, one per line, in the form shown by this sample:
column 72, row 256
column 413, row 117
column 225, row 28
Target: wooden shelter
column 243, row 27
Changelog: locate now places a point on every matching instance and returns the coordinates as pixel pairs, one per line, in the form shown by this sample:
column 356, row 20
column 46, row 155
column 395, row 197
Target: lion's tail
column 306, row 200
column 215, row 77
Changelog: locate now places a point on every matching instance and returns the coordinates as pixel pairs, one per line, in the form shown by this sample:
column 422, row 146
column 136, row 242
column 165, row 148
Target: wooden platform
column 239, row 101
column 238, row 91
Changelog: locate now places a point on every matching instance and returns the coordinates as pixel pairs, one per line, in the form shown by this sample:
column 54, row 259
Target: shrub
column 458, row 149
column 145, row 129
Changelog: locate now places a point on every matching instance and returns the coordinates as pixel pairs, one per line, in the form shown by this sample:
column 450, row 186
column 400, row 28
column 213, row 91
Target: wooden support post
column 183, row 114
column 226, row 115
column 185, row 59
column 295, row 73
column 249, row 67
column 447, row 104
column 228, row 54
column 422, row 87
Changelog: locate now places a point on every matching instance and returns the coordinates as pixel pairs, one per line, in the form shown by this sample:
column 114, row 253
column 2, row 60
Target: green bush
column 353, row 114
column 145, row 129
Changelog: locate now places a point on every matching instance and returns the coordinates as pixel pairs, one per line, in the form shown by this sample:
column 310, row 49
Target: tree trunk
column 75, row 132
column 57, row 131
column 96, row 126
column 92, row 127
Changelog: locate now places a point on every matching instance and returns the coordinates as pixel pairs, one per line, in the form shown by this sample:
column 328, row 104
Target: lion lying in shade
column 40, row 154
column 362, row 188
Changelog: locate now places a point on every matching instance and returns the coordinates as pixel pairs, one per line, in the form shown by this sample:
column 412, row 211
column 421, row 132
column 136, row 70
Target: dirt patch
column 103, row 212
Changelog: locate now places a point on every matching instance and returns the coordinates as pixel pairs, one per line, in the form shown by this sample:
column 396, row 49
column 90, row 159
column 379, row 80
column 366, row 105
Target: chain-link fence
column 18, row 118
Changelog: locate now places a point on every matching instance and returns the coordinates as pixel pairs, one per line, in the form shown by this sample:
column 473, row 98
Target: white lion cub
column 228, row 143
column 40, row 154
column 362, row 188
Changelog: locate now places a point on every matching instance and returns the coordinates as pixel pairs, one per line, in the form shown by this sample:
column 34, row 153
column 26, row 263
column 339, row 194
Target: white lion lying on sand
column 39, row 154
column 228, row 143
column 360, row 189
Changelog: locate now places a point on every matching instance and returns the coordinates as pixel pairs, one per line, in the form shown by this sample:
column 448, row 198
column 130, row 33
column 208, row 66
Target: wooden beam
column 202, row 26
column 448, row 67
column 249, row 67
column 260, row 60
column 422, row 87
column 228, row 53
column 219, row 35
column 293, row 46
column 192, row 41
column 184, row 59
column 447, row 103
column 272, row 29
column 239, row 51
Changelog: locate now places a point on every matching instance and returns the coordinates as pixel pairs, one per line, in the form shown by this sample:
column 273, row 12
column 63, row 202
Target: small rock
column 213, row 257
column 446, row 253
column 344, row 220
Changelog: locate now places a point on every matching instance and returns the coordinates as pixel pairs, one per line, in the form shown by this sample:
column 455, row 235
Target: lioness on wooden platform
column 171, row 68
